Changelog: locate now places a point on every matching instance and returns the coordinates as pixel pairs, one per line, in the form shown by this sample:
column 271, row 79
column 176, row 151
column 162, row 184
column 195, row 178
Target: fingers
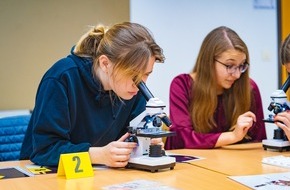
column 120, row 160
column 120, row 157
column 124, row 137
column 246, row 120
column 156, row 140
column 282, row 120
column 122, row 147
column 122, row 144
column 119, row 164
column 283, row 117
column 285, row 128
column 244, row 123
column 281, row 125
column 251, row 115
column 118, row 153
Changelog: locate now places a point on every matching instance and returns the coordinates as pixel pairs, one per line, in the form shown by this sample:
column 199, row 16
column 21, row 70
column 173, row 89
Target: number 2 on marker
column 77, row 168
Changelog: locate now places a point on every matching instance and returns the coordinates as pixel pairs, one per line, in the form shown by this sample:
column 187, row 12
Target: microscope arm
column 286, row 84
column 148, row 95
column 145, row 91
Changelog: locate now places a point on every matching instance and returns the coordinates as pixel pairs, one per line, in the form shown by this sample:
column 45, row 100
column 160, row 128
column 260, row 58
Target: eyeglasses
column 232, row 69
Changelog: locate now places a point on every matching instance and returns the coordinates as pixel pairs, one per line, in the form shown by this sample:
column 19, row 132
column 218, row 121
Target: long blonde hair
column 129, row 47
column 236, row 100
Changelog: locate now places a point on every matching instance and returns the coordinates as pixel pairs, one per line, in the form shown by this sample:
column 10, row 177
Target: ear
column 104, row 63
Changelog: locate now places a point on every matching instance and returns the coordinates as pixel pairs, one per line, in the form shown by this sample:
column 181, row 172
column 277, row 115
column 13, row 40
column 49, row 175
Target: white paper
column 277, row 181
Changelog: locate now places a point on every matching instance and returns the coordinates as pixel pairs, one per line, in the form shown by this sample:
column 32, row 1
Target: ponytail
column 129, row 46
column 88, row 44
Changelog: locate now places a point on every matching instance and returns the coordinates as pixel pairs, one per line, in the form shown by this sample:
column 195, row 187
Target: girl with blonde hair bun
column 86, row 100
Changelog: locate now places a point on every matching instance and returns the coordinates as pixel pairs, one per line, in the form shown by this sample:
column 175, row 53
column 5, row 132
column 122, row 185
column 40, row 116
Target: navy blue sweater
column 73, row 112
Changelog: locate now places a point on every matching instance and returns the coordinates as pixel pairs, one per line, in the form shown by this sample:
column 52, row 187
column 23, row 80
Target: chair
column 12, row 131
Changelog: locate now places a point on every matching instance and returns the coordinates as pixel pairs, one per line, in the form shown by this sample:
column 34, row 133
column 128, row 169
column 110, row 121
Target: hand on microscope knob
column 282, row 120
column 117, row 153
column 132, row 138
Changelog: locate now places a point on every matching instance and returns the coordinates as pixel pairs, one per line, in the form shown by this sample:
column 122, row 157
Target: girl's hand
column 116, row 153
column 244, row 123
column 157, row 141
column 282, row 120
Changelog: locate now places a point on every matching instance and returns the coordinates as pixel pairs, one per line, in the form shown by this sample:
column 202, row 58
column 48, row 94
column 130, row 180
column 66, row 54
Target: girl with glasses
column 217, row 104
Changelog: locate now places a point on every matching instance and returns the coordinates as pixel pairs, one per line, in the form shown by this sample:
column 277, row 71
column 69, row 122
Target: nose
column 237, row 73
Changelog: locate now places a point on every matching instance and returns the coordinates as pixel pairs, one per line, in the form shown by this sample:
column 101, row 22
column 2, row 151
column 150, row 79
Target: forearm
column 96, row 155
column 226, row 138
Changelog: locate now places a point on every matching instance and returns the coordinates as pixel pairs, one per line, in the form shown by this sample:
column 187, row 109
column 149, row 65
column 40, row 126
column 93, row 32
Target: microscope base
column 152, row 164
column 277, row 144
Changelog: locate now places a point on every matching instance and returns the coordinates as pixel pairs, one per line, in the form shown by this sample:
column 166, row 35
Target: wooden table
column 240, row 159
column 183, row 176
column 209, row 173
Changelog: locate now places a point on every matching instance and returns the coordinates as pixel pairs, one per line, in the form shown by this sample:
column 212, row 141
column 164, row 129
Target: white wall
column 179, row 26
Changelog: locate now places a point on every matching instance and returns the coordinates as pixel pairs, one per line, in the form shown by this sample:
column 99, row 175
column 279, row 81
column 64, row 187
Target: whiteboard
column 179, row 26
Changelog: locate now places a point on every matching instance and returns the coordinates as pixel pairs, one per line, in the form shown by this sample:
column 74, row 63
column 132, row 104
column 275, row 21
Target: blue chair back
column 12, row 132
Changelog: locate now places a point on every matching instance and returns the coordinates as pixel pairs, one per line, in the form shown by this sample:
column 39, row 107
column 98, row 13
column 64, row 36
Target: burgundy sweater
column 186, row 136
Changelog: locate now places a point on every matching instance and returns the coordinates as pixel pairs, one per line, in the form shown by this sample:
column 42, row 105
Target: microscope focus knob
column 132, row 138
column 157, row 122
column 155, row 151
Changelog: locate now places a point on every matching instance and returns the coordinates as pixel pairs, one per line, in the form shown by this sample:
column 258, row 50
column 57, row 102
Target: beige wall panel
column 36, row 33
